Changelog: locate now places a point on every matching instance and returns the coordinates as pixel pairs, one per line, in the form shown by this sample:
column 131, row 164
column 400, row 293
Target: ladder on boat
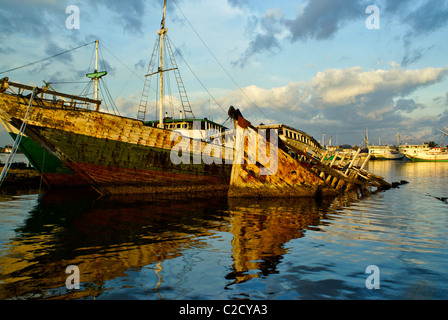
column 146, row 88
column 188, row 113
column 186, row 107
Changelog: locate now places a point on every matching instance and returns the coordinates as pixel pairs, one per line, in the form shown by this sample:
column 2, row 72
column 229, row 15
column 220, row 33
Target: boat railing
column 57, row 99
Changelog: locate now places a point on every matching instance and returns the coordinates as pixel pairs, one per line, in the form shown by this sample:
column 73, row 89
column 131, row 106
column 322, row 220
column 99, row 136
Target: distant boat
column 413, row 149
column 7, row 149
column 425, row 153
column 385, row 153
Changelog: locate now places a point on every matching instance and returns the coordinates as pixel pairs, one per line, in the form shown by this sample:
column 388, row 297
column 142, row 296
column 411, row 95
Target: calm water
column 232, row 249
column 18, row 158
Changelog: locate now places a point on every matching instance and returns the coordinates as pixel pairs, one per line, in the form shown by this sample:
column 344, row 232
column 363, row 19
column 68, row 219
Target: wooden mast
column 96, row 75
column 96, row 69
column 162, row 33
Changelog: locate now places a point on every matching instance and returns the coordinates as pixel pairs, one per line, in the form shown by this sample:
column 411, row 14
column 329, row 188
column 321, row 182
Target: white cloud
column 338, row 87
column 348, row 100
column 128, row 106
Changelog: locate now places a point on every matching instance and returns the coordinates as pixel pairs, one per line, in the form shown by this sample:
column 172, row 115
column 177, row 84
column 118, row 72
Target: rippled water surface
column 221, row 248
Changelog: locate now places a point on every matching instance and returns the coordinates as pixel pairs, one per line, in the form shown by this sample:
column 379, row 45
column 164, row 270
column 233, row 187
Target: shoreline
column 22, row 177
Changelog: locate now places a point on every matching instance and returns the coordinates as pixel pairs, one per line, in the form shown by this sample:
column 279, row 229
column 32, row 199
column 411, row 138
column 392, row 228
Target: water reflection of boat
column 106, row 239
column 262, row 229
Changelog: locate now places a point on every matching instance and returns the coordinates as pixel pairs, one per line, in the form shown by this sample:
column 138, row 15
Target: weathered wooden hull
column 54, row 173
column 112, row 153
column 291, row 179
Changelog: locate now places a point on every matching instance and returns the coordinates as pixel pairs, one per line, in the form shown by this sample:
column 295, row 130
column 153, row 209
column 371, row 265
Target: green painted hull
column 110, row 161
column 427, row 160
column 53, row 171
column 41, row 159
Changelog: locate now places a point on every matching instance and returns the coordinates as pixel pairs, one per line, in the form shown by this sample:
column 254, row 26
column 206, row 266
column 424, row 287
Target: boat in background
column 425, row 153
column 413, row 149
column 388, row 152
column 383, row 152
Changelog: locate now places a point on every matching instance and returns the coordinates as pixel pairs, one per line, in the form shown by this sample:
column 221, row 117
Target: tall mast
column 96, row 75
column 162, row 33
column 162, row 44
column 96, row 69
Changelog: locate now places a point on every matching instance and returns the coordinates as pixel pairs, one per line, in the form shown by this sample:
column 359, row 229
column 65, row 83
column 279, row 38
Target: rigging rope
column 15, row 147
column 138, row 76
column 197, row 78
column 216, row 59
column 58, row 54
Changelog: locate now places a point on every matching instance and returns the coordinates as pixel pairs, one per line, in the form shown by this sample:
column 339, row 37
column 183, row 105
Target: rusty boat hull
column 112, row 154
column 290, row 179
column 52, row 170
column 119, row 155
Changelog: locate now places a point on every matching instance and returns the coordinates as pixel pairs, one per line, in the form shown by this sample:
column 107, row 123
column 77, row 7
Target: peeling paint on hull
column 292, row 179
column 54, row 173
column 118, row 155
column 112, row 153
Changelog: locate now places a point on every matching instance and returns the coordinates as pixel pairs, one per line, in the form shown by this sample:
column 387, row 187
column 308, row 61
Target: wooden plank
column 65, row 95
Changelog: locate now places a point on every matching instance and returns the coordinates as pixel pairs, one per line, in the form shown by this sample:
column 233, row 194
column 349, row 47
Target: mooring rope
column 16, row 144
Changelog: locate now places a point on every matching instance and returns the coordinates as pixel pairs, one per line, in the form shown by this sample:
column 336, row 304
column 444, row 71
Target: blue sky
column 310, row 64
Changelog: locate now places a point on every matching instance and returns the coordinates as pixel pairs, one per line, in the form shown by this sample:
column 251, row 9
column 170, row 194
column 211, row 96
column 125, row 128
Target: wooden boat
column 53, row 171
column 110, row 153
column 72, row 142
column 298, row 172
